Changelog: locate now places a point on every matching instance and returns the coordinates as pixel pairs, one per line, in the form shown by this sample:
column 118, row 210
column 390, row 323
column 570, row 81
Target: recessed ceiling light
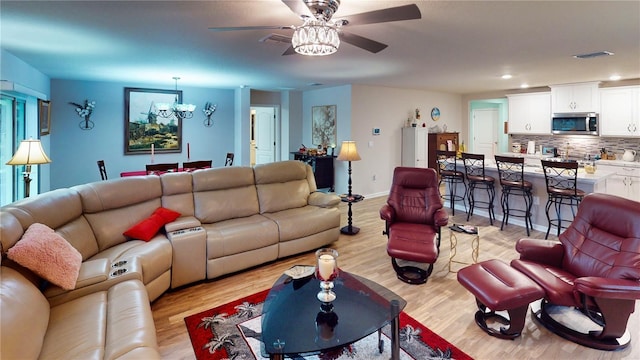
column 615, row 77
column 524, row 86
column 593, row 55
column 507, row 76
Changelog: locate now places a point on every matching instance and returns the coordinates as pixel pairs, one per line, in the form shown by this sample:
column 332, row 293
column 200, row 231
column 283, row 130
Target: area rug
column 232, row 331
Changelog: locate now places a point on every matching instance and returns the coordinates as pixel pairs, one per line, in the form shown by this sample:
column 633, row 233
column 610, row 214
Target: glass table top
column 294, row 321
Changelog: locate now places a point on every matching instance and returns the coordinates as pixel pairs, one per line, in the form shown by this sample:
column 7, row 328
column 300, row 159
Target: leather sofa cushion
column 103, row 325
column 24, row 316
column 113, row 194
column 315, row 220
column 177, row 192
column 281, row 196
column 240, row 235
column 219, row 205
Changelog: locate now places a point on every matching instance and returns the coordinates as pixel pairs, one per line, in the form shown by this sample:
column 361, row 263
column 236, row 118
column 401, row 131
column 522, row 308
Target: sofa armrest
column 387, row 213
column 96, row 275
column 324, row 200
column 182, row 223
column 599, row 287
column 441, row 218
column 541, row 251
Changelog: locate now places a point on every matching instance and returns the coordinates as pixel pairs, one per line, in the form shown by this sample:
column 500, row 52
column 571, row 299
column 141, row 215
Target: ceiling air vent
column 593, row 55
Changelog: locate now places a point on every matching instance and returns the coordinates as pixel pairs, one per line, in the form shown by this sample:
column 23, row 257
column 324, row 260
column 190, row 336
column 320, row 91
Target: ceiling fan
column 320, row 34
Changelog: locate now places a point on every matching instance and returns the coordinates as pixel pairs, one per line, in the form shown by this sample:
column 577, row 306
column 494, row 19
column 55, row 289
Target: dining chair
column 194, row 165
column 102, row 169
column 229, row 160
column 159, row 169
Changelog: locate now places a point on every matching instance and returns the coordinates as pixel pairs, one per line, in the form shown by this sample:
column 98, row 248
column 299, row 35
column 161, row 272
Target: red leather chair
column 413, row 217
column 594, row 268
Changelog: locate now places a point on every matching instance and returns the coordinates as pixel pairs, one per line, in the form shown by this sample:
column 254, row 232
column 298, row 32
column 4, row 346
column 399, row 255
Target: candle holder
column 326, row 272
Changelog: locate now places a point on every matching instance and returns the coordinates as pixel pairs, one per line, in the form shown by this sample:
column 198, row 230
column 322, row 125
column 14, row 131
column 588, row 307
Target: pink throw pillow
column 49, row 255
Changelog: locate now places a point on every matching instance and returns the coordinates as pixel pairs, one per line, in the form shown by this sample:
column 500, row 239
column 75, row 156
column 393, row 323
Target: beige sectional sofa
column 231, row 219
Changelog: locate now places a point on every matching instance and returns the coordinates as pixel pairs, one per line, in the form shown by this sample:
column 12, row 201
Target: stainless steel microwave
column 575, row 124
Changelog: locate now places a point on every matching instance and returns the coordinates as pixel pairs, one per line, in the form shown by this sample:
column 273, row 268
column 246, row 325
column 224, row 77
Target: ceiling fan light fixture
column 315, row 38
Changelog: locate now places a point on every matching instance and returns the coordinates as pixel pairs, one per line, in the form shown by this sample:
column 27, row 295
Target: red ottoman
column 497, row 287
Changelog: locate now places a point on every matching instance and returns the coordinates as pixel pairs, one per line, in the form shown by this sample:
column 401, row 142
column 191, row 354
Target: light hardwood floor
column 441, row 304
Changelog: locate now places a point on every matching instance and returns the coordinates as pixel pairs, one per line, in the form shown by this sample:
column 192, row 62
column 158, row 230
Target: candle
column 326, row 265
column 188, row 152
column 152, row 152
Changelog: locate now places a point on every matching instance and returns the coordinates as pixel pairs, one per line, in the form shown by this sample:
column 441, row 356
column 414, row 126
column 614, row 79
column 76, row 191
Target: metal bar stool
column 476, row 179
column 449, row 174
column 511, row 174
column 561, row 178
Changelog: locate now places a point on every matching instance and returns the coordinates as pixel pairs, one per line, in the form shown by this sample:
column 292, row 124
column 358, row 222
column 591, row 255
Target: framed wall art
column 143, row 125
column 44, row 116
column 323, row 124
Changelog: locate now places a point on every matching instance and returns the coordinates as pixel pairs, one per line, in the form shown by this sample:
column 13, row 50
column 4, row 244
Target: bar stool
column 476, row 179
column 511, row 174
column 449, row 174
column 561, row 178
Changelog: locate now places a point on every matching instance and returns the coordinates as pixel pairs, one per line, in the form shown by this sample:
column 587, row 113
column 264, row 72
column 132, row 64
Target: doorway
column 486, row 118
column 483, row 130
column 263, row 134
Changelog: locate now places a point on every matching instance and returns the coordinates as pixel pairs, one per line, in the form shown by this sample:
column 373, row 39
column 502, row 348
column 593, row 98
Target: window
column 12, row 131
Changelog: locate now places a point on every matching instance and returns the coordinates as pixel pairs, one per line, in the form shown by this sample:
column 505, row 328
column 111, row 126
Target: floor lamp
column 349, row 152
column 29, row 153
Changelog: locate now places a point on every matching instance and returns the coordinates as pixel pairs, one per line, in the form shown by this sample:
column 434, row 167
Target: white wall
column 388, row 109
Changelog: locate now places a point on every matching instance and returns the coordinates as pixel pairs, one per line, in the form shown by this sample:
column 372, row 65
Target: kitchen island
column 589, row 183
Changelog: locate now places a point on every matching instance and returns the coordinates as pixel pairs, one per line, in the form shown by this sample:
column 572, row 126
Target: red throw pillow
column 149, row 227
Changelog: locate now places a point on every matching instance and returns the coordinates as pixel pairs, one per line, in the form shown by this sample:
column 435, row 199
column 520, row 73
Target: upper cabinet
column 530, row 113
column 569, row 98
column 620, row 111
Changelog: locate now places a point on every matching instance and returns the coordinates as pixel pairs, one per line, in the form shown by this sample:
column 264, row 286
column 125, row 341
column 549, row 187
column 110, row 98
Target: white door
column 483, row 131
column 265, row 134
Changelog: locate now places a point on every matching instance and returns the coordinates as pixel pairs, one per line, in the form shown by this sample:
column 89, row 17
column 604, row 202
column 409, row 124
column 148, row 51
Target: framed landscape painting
column 323, row 122
column 143, row 125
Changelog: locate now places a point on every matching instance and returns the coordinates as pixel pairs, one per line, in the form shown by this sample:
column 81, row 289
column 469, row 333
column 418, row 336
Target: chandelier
column 181, row 111
column 316, row 37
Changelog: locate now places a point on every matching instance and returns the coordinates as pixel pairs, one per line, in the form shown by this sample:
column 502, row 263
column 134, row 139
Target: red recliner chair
column 413, row 217
column 595, row 268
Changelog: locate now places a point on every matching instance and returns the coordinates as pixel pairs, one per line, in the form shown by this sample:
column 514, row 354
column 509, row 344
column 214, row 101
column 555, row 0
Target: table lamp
column 29, row 153
column 349, row 152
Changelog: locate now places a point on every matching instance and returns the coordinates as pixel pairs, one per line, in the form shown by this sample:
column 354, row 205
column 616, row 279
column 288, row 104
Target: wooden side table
column 475, row 246
column 354, row 198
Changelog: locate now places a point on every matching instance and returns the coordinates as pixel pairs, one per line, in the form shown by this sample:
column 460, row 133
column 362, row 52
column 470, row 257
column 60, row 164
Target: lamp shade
column 348, row 151
column 29, row 152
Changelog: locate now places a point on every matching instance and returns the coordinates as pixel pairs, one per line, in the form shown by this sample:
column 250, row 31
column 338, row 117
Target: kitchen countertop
column 618, row 163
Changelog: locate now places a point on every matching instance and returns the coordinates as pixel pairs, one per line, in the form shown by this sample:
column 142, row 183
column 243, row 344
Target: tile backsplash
column 581, row 146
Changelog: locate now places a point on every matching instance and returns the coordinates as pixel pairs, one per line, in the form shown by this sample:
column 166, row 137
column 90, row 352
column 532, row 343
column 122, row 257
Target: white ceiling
column 458, row 46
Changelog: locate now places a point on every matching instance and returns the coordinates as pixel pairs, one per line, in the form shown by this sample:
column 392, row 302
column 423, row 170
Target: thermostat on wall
column 376, row 131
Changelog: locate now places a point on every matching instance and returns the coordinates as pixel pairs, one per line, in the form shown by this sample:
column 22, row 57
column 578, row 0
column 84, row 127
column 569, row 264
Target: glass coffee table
column 294, row 322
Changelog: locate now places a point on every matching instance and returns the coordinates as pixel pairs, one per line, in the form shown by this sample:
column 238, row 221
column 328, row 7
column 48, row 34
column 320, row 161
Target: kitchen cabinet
column 414, row 147
column 439, row 141
column 569, row 98
column 620, row 111
column 530, row 113
column 625, row 182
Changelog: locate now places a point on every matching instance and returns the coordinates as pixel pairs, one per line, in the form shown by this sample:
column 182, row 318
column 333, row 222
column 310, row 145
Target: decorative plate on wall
column 435, row 114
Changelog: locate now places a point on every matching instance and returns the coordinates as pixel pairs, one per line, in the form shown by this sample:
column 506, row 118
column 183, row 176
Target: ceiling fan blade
column 290, row 51
column 405, row 12
column 362, row 42
column 298, row 7
column 233, row 28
